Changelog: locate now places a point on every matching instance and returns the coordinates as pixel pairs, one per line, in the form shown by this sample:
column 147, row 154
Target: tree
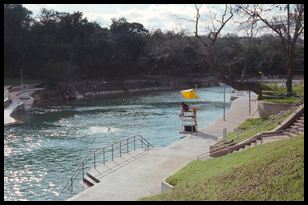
column 288, row 27
column 17, row 22
column 128, row 41
column 209, row 44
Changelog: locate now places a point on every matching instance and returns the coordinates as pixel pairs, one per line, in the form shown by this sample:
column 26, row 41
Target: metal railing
column 276, row 94
column 105, row 154
column 237, row 136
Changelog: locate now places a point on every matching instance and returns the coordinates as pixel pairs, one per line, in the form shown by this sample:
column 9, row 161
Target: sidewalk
column 16, row 101
column 143, row 177
column 10, row 109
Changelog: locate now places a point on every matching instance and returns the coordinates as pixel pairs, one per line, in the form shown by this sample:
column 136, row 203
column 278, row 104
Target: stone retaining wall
column 81, row 89
column 265, row 109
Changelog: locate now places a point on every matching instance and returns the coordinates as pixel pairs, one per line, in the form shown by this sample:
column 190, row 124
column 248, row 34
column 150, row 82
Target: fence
column 276, row 94
column 102, row 155
column 239, row 135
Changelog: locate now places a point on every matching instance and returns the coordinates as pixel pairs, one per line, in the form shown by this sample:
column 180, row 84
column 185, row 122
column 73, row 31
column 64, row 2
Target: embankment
column 81, row 89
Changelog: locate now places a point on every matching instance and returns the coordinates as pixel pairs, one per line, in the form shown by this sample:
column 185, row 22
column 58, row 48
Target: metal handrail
column 276, row 94
column 92, row 156
column 237, row 135
column 259, row 135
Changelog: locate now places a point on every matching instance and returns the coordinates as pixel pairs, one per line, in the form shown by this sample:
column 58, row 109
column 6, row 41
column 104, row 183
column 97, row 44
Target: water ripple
column 41, row 154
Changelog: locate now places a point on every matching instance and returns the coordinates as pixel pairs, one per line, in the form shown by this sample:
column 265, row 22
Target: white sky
column 152, row 16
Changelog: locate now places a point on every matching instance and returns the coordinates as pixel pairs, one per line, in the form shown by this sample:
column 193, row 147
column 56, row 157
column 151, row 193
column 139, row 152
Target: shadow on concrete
column 205, row 135
column 112, row 166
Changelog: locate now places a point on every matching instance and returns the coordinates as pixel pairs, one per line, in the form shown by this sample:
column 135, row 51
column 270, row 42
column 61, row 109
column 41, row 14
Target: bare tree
column 196, row 20
column 209, row 45
column 288, row 27
column 249, row 26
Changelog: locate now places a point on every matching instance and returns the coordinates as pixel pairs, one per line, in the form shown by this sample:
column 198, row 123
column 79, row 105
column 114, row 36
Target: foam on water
column 102, row 129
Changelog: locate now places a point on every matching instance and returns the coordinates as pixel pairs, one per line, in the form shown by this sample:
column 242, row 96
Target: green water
column 41, row 154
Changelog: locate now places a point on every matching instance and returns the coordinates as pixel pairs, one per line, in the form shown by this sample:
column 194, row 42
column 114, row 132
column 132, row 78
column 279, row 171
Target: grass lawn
column 298, row 89
column 272, row 171
column 16, row 81
column 288, row 100
column 259, row 123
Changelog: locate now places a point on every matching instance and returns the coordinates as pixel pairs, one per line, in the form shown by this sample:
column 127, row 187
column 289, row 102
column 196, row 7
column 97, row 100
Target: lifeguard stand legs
column 189, row 121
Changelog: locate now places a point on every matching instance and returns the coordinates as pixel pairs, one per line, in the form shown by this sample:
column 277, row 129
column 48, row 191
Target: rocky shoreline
column 68, row 91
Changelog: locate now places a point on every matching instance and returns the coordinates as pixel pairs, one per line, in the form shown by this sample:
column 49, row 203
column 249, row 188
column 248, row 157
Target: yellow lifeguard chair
column 189, row 117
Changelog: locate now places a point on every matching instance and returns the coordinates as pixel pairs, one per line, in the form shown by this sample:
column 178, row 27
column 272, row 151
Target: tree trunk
column 244, row 71
column 239, row 85
column 290, row 70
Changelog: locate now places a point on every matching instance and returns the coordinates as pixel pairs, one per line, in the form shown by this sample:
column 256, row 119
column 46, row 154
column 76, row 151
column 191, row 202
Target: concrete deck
column 10, row 109
column 142, row 177
column 16, row 101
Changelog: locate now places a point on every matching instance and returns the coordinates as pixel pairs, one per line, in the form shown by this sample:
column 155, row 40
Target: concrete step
column 292, row 130
column 300, row 121
column 298, row 124
column 258, row 142
column 275, row 138
column 88, row 181
column 291, row 134
column 93, row 178
column 301, row 129
column 295, row 128
column 110, row 166
column 253, row 144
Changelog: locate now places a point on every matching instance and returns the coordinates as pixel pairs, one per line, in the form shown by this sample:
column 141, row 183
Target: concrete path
column 10, row 109
column 142, row 177
column 6, row 92
column 16, row 101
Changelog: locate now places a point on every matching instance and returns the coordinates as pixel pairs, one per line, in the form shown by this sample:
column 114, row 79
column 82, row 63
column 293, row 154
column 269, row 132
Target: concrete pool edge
column 142, row 177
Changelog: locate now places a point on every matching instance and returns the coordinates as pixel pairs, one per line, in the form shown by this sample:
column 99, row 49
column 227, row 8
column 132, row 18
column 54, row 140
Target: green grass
column 298, row 89
column 276, row 87
column 288, row 100
column 16, row 81
column 272, row 171
column 259, row 123
column 250, row 122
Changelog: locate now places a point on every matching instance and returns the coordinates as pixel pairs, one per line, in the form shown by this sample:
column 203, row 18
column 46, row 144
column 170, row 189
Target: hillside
column 272, row 171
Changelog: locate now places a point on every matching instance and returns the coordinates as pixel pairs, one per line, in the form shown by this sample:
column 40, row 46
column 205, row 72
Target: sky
column 153, row 16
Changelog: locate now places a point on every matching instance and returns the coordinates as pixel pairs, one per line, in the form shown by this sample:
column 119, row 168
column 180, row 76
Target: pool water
column 41, row 154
